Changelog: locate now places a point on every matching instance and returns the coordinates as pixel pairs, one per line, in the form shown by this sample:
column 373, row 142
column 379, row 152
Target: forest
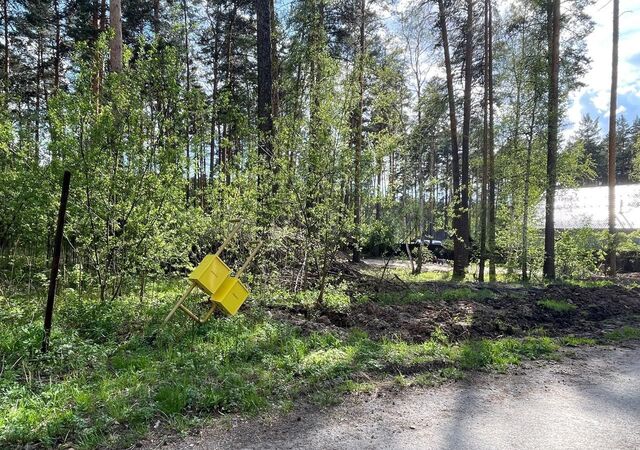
column 397, row 161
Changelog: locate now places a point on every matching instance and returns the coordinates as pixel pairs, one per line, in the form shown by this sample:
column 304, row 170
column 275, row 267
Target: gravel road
column 590, row 398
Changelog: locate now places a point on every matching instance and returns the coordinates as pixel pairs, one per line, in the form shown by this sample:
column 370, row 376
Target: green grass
column 114, row 371
column 334, row 298
column 590, row 283
column 573, row 341
column 434, row 275
column 558, row 306
column 451, row 294
column 623, row 334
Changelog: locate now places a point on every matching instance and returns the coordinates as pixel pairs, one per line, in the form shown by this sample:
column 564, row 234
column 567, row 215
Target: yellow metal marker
column 232, row 293
column 208, row 276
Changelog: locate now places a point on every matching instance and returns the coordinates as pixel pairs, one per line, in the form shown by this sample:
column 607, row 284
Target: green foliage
column 579, row 253
column 559, row 306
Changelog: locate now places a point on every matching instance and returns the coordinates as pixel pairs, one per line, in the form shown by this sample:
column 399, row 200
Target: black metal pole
column 55, row 263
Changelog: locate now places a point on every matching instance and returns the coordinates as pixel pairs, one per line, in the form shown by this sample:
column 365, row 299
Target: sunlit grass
column 450, row 294
column 559, row 306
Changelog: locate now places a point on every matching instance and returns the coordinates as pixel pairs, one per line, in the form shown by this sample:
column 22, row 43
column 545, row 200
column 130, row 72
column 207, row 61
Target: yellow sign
column 212, row 276
column 231, row 295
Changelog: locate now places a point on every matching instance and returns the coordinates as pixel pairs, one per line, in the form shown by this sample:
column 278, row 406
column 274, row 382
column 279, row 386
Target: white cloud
column 599, row 45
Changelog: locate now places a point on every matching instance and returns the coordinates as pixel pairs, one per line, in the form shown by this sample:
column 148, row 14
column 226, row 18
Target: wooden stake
column 226, row 241
column 252, row 255
column 179, row 304
column 55, row 263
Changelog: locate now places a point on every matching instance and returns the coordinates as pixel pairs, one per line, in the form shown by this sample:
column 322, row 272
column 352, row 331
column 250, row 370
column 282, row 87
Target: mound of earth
column 510, row 312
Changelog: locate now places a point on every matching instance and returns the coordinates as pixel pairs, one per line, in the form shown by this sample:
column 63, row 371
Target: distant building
column 588, row 207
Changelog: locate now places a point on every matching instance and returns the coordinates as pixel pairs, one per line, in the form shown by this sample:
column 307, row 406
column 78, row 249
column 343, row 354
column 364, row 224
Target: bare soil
column 511, row 311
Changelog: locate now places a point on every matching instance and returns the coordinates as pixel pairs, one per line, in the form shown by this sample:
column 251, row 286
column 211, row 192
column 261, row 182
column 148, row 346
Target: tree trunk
column 432, row 189
column 115, row 19
column 491, row 223
column 5, row 62
column 459, row 250
column 485, row 149
column 56, row 58
column 38, row 95
column 156, row 17
column 466, row 126
column 357, row 206
column 103, row 15
column 185, row 24
column 378, row 206
column 553, row 15
column 612, row 141
column 275, row 66
column 527, row 177
column 265, row 80
column 214, row 98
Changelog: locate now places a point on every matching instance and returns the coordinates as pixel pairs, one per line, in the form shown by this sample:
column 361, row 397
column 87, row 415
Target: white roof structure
column 589, row 208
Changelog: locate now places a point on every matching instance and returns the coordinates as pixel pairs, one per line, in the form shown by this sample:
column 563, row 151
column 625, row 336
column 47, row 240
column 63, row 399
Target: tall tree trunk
column 214, row 97
column 432, row 189
column 612, row 140
column 227, row 136
column 527, row 182
column 185, row 18
column 156, row 17
column 491, row 223
column 466, row 126
column 553, row 16
column 115, row 19
column 485, row 148
column 38, row 95
column 275, row 65
column 378, row 206
column 357, row 206
column 56, row 57
column 265, row 80
column 5, row 62
column 103, row 15
column 459, row 250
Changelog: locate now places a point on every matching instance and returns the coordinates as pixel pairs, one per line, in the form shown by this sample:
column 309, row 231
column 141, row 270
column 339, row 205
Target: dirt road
column 589, row 399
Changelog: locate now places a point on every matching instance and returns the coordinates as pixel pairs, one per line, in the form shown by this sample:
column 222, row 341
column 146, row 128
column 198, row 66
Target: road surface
column 590, row 399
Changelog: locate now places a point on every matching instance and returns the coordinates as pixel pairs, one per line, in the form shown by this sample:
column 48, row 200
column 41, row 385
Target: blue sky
column 594, row 97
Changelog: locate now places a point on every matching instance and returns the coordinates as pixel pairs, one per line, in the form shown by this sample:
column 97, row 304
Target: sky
column 594, row 97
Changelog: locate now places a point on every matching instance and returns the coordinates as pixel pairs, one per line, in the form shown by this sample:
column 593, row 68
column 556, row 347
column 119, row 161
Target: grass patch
column 623, row 334
column 334, row 298
column 573, row 341
column 590, row 283
column 559, row 306
column 434, row 275
column 452, row 294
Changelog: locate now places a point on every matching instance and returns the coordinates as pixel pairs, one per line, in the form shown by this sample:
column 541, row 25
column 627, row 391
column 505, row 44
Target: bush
column 579, row 253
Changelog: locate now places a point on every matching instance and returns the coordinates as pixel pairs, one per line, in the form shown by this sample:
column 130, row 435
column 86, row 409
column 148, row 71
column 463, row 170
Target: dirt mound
column 511, row 312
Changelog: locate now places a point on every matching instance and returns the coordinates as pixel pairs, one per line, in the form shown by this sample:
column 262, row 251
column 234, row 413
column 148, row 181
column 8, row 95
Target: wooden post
column 252, row 255
column 55, row 263
column 179, row 304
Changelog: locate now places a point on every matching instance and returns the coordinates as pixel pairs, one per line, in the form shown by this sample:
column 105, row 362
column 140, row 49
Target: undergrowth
column 114, row 372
